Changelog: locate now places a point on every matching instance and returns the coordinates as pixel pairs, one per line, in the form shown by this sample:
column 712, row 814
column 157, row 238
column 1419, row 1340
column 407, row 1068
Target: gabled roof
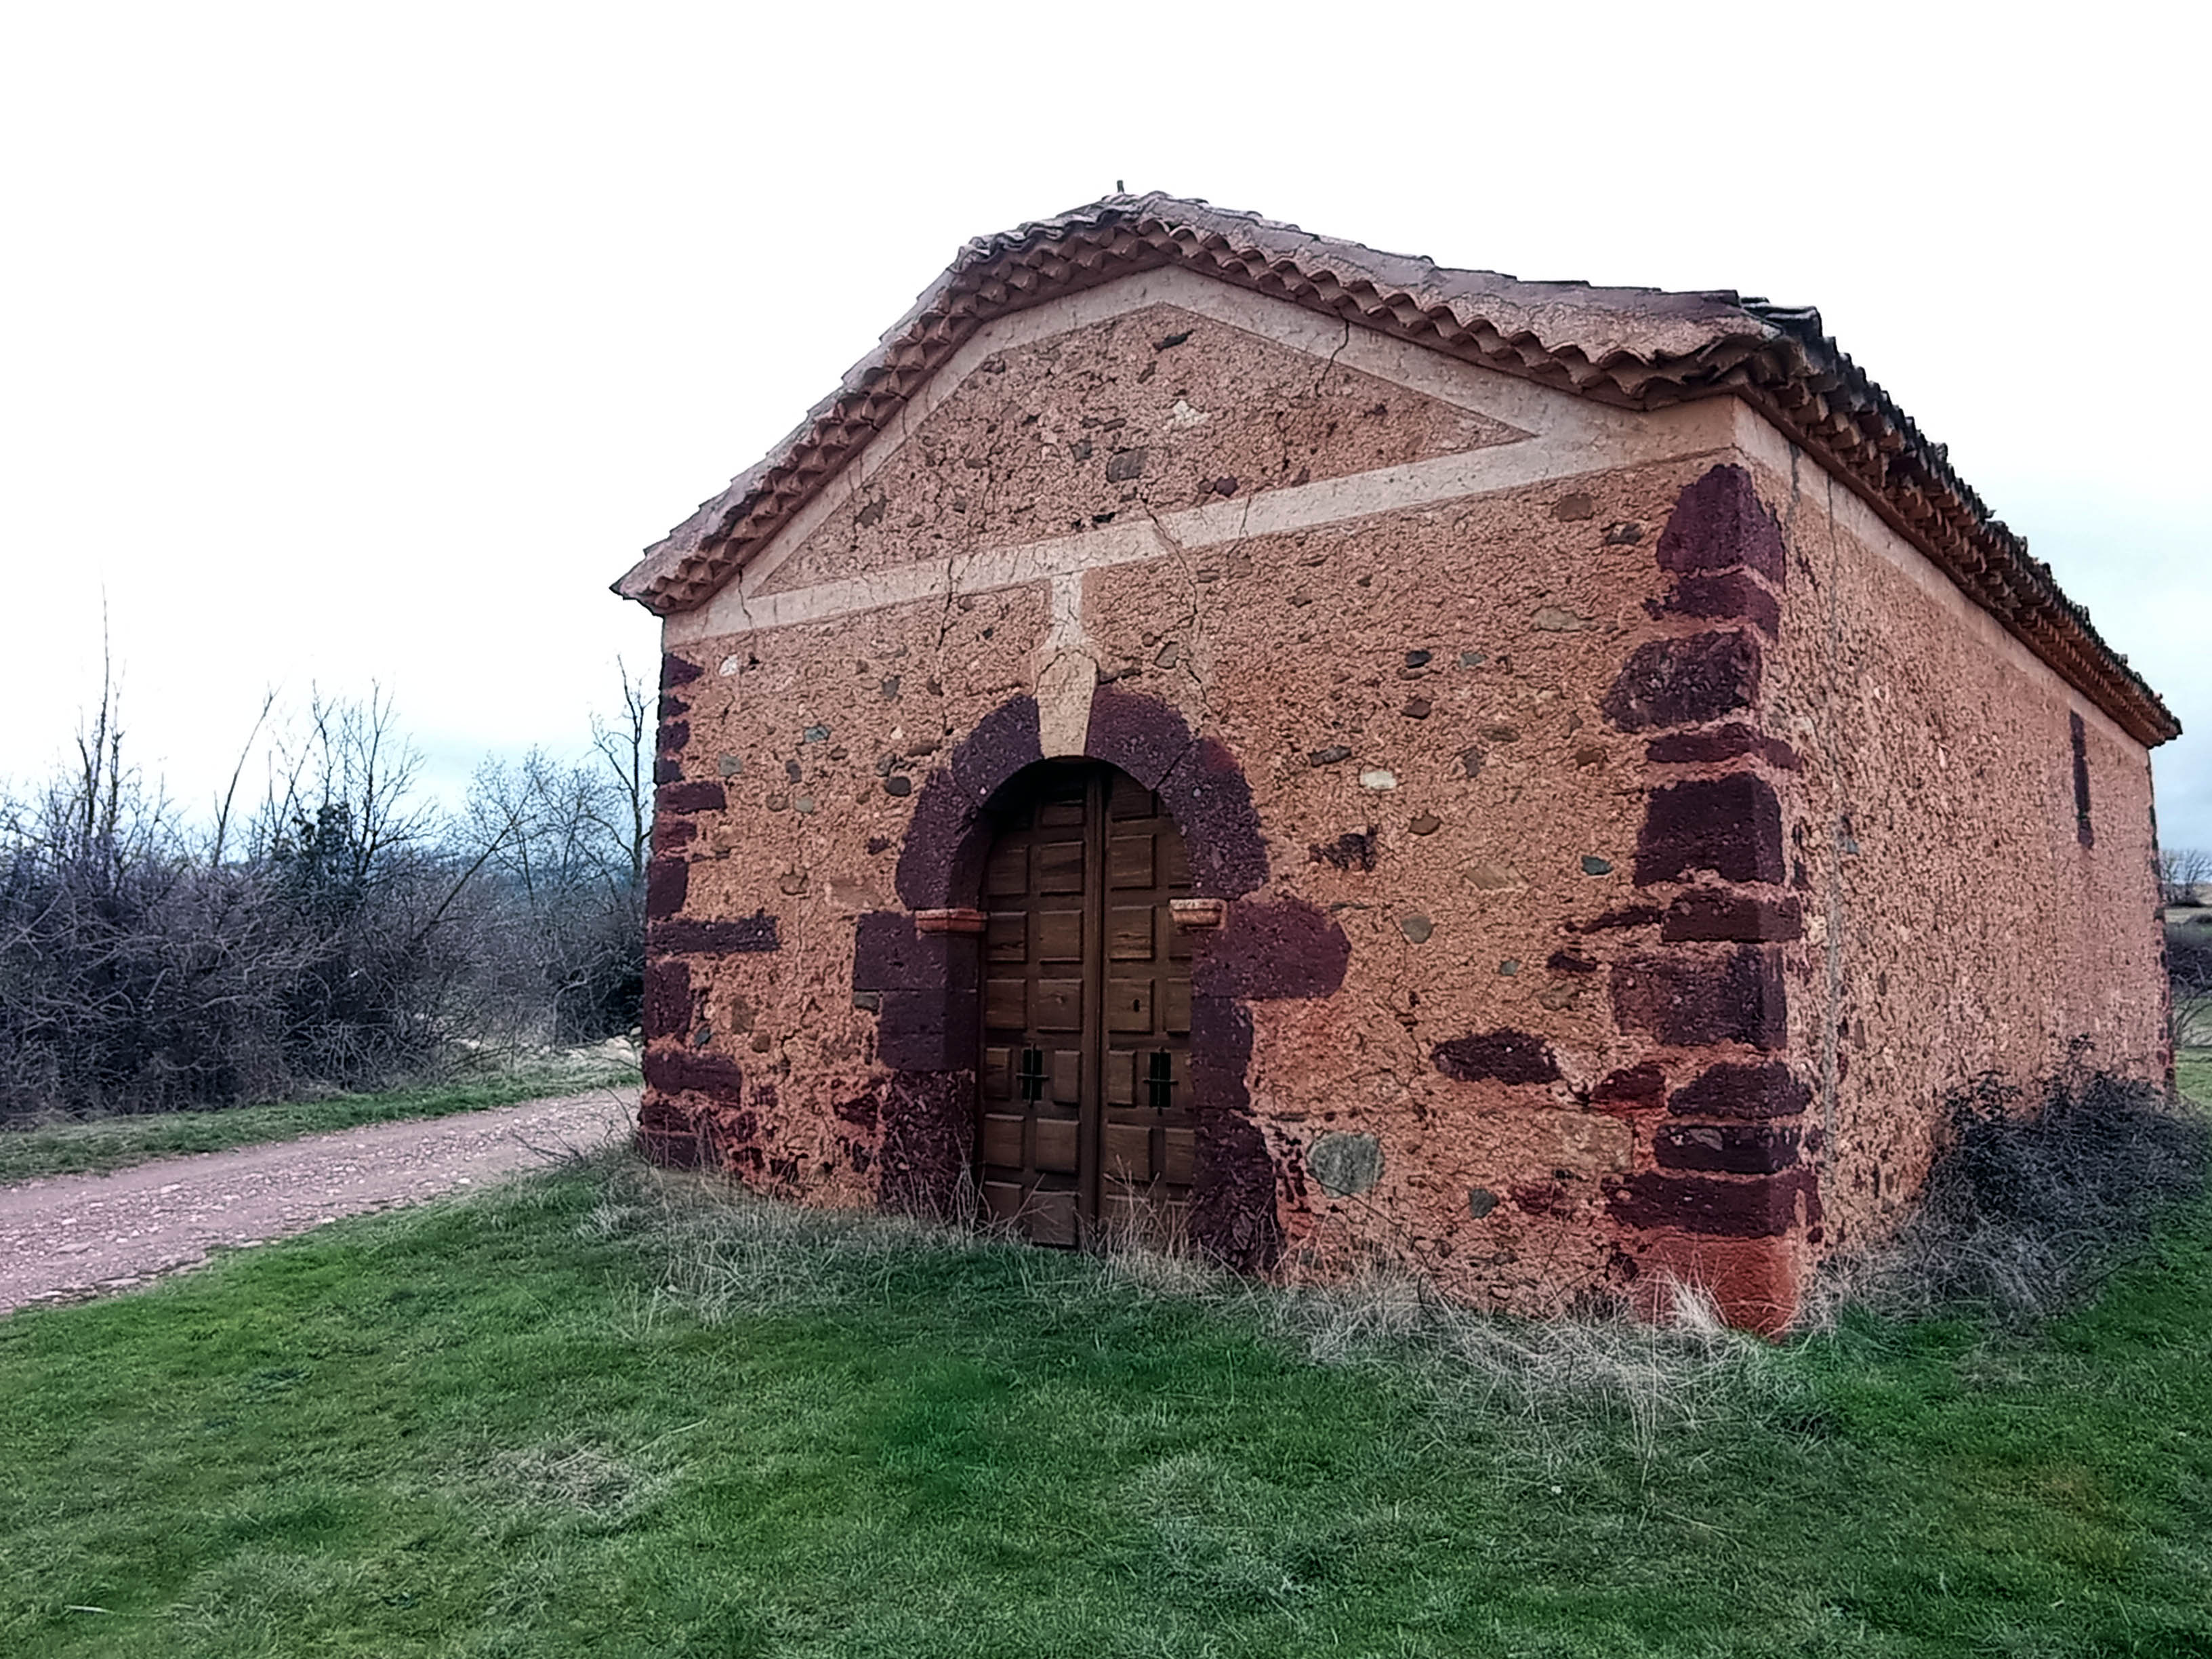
column 1637, row 348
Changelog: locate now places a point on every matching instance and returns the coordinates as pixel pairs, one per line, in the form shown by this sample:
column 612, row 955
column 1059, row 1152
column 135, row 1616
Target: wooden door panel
column 1058, row 1145
column 1051, row 1218
column 1129, row 934
column 1059, row 867
column 1068, row 1077
column 1129, row 1155
column 1060, row 936
column 1007, row 936
column 1120, row 1078
column 1008, row 871
column 1175, row 1004
column 1006, row 1005
column 1002, row 1139
column 1129, row 861
column 1179, row 1159
column 1129, row 1004
column 1056, row 1006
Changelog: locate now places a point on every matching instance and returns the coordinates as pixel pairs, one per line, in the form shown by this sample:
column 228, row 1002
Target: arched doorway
column 1084, row 1131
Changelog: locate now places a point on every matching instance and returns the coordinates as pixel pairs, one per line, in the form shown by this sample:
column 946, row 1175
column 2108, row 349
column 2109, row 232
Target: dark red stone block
column 1707, row 914
column 1726, row 1148
column 1731, row 826
column 672, row 737
column 1207, row 796
column 676, row 1068
column 1683, row 682
column 1731, row 596
column 667, row 998
column 1233, row 1215
column 1690, row 1001
column 667, row 768
column 1760, row 1089
column 1282, row 949
column 668, row 1135
column 672, row 834
column 942, row 857
column 862, row 1110
column 1220, row 1055
column 737, row 936
column 1633, row 915
column 935, row 1030
column 1759, row 1207
column 928, row 1129
column 890, row 953
column 675, row 671
column 1143, row 736
column 1717, row 524
column 1002, row 742
column 1726, row 743
column 1500, row 1056
column 1634, row 1088
column 667, row 883
column 704, row 796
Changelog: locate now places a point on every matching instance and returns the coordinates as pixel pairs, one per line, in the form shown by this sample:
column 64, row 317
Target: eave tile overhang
column 1634, row 348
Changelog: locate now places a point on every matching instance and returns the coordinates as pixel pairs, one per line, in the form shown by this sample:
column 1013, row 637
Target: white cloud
column 374, row 344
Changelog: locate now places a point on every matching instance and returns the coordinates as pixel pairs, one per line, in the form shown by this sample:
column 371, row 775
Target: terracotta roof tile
column 1638, row 347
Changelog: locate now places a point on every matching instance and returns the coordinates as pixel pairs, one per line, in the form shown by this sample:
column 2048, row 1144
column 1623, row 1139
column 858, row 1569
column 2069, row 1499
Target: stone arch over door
column 920, row 966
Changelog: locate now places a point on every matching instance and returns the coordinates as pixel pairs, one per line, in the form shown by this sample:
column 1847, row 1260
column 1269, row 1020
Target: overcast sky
column 363, row 344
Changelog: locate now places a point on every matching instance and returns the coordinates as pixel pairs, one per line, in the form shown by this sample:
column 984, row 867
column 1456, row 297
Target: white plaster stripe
column 1635, row 439
column 734, row 612
column 1522, row 404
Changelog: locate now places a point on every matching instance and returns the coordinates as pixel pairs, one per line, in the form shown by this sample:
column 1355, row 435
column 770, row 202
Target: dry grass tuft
column 1565, row 1382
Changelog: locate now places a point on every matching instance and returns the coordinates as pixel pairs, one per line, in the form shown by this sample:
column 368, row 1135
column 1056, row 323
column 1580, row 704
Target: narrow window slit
column 2084, row 831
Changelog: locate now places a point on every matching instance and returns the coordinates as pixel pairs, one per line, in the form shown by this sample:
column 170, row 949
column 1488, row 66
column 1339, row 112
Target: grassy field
column 115, row 1143
column 591, row 1412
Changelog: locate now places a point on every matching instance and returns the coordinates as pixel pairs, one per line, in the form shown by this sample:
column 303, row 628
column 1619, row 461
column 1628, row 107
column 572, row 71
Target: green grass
column 115, row 1143
column 577, row 1415
column 2194, row 1068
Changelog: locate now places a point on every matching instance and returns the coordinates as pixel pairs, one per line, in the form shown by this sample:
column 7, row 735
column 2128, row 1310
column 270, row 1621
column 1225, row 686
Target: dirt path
column 67, row 1236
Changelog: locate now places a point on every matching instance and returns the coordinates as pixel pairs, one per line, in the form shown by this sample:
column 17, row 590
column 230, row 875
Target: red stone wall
column 1960, row 917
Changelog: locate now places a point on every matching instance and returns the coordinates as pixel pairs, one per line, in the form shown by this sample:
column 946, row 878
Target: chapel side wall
column 1955, row 922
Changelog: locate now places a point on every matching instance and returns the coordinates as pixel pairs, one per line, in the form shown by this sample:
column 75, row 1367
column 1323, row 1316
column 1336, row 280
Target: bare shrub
column 2189, row 978
column 2030, row 1207
column 342, row 933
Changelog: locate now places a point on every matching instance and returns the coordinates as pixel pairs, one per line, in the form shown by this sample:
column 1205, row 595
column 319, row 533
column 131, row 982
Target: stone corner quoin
column 1578, row 816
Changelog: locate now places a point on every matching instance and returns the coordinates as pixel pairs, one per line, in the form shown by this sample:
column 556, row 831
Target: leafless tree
column 343, row 932
column 622, row 744
column 2181, row 871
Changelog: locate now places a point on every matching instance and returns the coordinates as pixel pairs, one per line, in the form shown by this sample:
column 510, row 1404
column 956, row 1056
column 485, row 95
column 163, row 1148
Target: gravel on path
column 64, row 1237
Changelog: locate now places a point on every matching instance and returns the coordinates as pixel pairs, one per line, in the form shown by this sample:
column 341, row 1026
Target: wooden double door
column 1084, row 1129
